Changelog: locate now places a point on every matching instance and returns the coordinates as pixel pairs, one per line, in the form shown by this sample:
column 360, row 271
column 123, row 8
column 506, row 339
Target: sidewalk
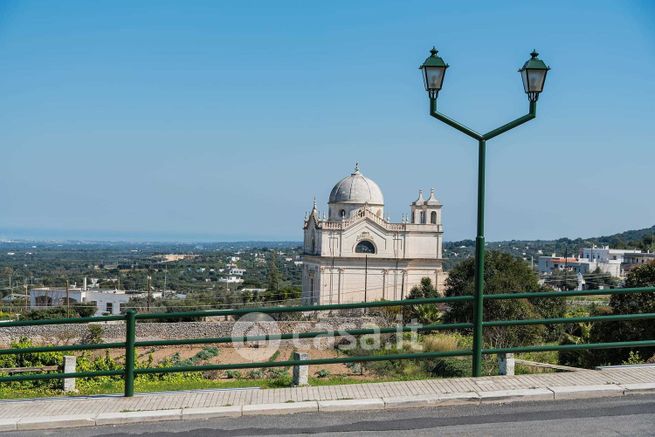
column 112, row 410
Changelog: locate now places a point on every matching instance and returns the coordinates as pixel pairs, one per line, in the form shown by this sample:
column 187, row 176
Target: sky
column 217, row 120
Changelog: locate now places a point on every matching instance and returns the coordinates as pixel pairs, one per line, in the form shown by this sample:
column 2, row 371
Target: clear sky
column 217, row 120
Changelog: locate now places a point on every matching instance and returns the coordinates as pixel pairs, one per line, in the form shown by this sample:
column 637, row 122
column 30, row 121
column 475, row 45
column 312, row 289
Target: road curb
column 211, row 412
column 280, row 408
column 518, row 395
column 8, row 424
column 138, row 416
column 639, row 388
column 586, row 391
column 351, row 405
column 59, row 422
column 327, row 406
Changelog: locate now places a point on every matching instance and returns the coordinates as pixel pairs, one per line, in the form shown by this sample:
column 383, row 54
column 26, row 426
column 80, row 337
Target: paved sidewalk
column 109, row 410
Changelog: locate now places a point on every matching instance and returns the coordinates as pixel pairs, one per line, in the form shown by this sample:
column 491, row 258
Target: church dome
column 356, row 188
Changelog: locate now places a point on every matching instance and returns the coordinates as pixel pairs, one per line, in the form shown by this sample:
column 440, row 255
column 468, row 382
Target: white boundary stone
column 586, row 391
column 527, row 394
column 351, row 405
column 280, row 408
column 138, row 416
column 211, row 412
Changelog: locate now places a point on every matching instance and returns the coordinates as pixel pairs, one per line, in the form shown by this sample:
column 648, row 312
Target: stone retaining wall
column 115, row 331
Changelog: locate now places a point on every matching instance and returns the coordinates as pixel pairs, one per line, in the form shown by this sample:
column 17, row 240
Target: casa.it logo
column 249, row 336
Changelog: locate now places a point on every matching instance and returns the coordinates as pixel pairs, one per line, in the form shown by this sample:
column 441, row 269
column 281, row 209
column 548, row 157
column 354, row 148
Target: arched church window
column 433, row 217
column 313, row 244
column 365, row 246
column 423, row 217
column 342, row 213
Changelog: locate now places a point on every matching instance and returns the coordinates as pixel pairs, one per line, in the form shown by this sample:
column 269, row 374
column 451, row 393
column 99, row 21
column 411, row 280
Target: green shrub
column 233, row 374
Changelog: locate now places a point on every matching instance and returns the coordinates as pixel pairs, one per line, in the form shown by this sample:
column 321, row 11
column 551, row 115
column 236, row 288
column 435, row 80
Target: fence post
column 506, row 364
column 70, row 363
column 130, row 339
column 300, row 373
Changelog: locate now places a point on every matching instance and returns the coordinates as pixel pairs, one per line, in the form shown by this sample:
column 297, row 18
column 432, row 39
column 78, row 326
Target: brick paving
column 52, row 407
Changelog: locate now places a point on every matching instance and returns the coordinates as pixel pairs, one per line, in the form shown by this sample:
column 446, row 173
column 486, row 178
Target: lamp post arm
column 512, row 124
column 450, row 122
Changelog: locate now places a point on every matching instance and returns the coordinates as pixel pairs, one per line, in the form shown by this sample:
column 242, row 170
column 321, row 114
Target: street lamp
column 533, row 74
column 434, row 70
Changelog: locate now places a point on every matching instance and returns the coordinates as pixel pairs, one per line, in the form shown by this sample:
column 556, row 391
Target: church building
column 354, row 254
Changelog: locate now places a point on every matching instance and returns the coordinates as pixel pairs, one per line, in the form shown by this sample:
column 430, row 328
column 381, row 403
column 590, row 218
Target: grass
column 144, row 386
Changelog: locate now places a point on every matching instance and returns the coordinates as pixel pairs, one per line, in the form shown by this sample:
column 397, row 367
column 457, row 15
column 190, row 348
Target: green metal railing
column 129, row 372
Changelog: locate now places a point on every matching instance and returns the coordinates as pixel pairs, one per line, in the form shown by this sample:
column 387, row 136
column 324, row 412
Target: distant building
column 236, row 272
column 106, row 301
column 550, row 264
column 231, row 280
column 631, row 260
column 604, row 259
column 605, row 254
column 354, row 254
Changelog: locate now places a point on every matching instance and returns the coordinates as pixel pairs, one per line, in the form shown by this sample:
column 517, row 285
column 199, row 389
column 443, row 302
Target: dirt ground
column 232, row 355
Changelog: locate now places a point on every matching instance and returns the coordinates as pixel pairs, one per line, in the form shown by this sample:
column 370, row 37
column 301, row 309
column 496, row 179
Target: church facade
column 354, row 254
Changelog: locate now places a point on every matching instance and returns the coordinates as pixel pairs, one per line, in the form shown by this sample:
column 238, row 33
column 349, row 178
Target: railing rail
column 129, row 372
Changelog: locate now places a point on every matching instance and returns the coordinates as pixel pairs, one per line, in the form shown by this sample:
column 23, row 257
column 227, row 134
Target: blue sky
column 208, row 120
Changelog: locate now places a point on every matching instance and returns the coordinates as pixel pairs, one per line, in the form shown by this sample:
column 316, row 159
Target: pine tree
column 273, row 275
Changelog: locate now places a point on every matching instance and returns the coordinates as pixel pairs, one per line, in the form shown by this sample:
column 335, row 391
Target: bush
column 440, row 343
column 232, row 374
column 451, row 368
column 93, row 335
column 31, row 360
column 256, row 374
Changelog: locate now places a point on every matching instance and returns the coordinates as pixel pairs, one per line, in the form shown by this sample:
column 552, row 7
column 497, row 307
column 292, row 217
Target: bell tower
column 426, row 212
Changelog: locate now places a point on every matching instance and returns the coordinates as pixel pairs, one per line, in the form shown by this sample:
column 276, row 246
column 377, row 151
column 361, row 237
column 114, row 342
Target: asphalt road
column 633, row 416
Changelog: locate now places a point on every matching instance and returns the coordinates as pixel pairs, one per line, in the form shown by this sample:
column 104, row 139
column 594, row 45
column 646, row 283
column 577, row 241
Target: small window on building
column 365, row 246
column 342, row 213
column 433, row 217
column 109, row 307
column 422, row 217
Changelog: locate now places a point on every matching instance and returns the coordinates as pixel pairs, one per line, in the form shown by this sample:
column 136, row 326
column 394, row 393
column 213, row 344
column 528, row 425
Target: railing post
column 130, row 339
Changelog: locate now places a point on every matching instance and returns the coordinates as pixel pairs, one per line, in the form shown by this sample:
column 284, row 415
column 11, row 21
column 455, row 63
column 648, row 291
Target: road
column 633, row 416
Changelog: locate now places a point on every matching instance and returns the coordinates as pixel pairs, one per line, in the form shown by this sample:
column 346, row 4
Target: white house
column 106, row 301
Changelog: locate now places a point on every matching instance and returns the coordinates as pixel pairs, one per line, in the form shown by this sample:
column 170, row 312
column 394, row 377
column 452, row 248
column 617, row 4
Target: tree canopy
column 503, row 274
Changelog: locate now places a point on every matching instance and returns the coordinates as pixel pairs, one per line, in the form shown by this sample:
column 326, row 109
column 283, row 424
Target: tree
column 503, row 274
column 598, row 279
column 563, row 280
column 426, row 313
column 273, row 274
column 640, row 276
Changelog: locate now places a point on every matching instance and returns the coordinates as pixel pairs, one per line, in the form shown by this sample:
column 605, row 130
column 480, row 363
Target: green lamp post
column 533, row 74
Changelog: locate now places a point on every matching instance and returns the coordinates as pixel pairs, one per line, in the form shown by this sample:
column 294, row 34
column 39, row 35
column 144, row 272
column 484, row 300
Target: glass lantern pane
column 536, row 80
column 434, row 78
column 524, row 76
